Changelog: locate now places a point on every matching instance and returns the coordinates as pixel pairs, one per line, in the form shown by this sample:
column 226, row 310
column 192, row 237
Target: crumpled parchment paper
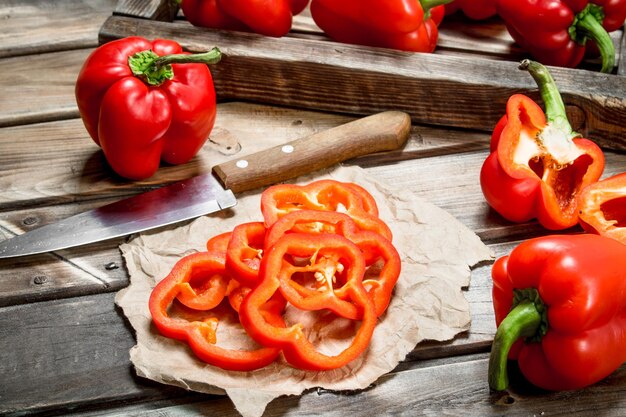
column 428, row 303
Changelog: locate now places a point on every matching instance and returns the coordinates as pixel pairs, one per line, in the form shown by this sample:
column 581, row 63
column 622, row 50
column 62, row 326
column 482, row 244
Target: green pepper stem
column 155, row 70
column 554, row 106
column 211, row 57
column 589, row 24
column 427, row 5
column 522, row 321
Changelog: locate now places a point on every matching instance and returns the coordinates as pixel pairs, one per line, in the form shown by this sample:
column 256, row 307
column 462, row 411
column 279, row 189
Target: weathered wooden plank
column 164, row 10
column 37, row 26
column 62, row 354
column 76, row 169
column 432, row 88
column 84, row 343
column 39, row 88
column 446, row 389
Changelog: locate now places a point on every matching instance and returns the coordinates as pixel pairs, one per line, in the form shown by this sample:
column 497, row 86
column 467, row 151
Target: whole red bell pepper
column 538, row 165
column 557, row 32
column 200, row 333
column 282, row 262
column 145, row 102
column 408, row 25
column 602, row 207
column 270, row 18
column 474, row 9
column 561, row 312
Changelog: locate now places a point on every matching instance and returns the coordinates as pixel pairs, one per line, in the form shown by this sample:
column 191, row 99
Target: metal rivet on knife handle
column 380, row 132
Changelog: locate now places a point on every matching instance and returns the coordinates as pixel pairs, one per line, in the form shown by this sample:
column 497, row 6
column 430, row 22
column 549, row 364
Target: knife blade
column 214, row 191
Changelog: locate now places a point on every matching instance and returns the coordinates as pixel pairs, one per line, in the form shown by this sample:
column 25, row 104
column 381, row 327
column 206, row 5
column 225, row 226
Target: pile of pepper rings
column 321, row 248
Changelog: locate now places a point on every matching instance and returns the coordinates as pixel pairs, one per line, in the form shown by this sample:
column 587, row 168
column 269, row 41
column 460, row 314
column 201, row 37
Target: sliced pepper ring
column 378, row 253
column 244, row 252
column 201, row 335
column 275, row 267
column 323, row 195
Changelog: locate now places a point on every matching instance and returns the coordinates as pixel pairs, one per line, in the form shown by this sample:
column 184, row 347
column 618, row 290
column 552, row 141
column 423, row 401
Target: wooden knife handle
column 380, row 132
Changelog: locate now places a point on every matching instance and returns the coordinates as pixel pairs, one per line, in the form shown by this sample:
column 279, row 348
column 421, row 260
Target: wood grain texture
column 28, row 97
column 380, row 132
column 38, row 26
column 432, row 88
column 84, row 343
column 164, row 10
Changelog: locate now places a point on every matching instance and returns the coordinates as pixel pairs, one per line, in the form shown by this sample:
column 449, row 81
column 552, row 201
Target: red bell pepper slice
column 324, row 195
column 266, row 17
column 143, row 102
column 474, row 9
column 244, row 252
column 562, row 295
column 539, row 165
column 219, row 243
column 406, row 25
column 324, row 252
column 602, row 207
column 200, row 334
column 558, row 32
column 381, row 258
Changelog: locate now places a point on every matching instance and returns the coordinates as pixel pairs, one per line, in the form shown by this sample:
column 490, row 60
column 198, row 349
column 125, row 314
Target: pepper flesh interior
column 615, row 210
column 555, row 158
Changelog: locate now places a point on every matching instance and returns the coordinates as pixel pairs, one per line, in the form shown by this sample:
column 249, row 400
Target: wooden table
column 63, row 343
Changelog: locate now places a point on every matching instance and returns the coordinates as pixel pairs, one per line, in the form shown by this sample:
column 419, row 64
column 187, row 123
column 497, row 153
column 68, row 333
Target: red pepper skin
column 573, row 287
column 244, row 251
column 374, row 247
column 397, row 24
column 474, row 9
column 270, row 18
column 200, row 334
column 297, row 349
column 552, row 30
column 602, row 208
column 538, row 166
column 137, row 125
column 325, row 195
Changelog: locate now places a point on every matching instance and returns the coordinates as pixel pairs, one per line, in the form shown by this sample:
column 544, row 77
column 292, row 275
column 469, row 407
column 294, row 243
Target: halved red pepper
column 560, row 311
column 558, row 32
column 602, row 207
column 324, row 253
column 200, row 334
column 408, row 25
column 244, row 252
column 381, row 258
column 325, row 195
column 266, row 17
column 538, row 165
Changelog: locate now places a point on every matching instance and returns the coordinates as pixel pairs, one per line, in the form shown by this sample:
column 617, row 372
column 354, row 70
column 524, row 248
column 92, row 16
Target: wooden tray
column 465, row 84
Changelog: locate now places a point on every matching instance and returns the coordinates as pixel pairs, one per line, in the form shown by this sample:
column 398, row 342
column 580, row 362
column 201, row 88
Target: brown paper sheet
column 428, row 304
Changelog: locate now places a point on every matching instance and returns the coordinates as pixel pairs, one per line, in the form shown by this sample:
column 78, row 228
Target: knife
column 211, row 192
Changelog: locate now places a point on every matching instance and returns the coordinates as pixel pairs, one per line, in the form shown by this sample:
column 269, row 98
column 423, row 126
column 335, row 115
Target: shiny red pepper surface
column 560, row 307
column 558, row 32
column 331, row 256
column 141, row 114
column 200, row 333
column 408, row 25
column 266, row 17
column 538, row 165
